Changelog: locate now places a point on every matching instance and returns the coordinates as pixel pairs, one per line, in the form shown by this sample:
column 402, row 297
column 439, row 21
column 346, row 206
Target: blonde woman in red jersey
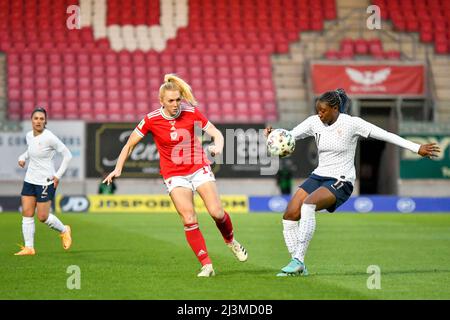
column 184, row 165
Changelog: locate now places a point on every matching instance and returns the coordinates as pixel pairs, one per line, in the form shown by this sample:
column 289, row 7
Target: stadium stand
column 116, row 61
column 429, row 18
column 291, row 71
column 142, row 40
column 429, row 22
column 3, row 109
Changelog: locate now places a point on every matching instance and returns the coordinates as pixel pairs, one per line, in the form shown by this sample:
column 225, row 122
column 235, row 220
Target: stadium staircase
column 3, row 109
column 5, row 124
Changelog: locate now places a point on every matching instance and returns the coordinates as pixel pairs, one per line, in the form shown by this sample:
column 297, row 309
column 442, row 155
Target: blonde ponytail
column 172, row 82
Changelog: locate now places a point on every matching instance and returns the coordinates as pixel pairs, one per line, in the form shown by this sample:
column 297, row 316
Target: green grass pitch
column 146, row 256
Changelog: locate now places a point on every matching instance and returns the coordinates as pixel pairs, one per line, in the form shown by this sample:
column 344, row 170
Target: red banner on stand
column 369, row 79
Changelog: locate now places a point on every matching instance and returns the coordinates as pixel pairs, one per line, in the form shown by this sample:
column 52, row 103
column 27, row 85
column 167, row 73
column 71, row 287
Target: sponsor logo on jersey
column 172, row 123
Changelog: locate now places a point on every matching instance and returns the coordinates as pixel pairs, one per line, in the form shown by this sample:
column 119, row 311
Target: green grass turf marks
column 138, row 256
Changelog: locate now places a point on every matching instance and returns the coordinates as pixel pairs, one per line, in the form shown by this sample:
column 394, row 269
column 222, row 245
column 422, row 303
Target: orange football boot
column 66, row 238
column 25, row 251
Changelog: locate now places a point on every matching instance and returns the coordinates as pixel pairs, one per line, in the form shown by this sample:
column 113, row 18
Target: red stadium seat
column 412, row 24
column 214, row 107
column 98, row 71
column 426, row 36
column 227, row 108
column 141, row 83
column 40, row 58
column 140, row 72
column 126, row 83
column 71, row 95
column 226, row 95
column 241, row 107
column 361, row 47
column 375, row 46
column 240, row 95
column 441, row 47
column 84, row 71
column 83, row 59
column 27, row 70
column 347, row 47
column 209, row 84
column 14, row 82
column 28, row 83
column 215, row 117
column 98, row 83
column 27, row 58
column 27, row 108
column 224, row 83
column 141, row 95
column 14, row 94
column 332, row 55
column 393, row 54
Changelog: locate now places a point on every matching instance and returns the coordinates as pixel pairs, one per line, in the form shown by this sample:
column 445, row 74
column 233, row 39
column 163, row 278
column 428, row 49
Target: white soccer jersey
column 336, row 143
column 41, row 150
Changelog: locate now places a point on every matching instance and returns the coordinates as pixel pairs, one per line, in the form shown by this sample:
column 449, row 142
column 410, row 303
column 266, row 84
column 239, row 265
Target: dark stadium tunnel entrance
column 378, row 167
column 370, row 163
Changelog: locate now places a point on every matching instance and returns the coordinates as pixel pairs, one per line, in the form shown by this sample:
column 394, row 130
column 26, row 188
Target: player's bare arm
column 124, row 154
column 55, row 181
column 218, row 139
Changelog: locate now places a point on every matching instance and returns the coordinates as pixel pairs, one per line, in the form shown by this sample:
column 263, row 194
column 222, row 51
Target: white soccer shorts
column 192, row 181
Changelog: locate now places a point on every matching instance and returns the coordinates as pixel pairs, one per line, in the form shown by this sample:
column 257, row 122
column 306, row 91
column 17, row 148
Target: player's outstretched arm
column 425, row 150
column 124, row 154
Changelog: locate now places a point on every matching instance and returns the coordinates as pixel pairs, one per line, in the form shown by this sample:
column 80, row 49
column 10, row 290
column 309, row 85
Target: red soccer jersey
column 180, row 151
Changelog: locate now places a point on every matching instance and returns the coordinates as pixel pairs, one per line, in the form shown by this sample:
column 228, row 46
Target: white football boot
column 238, row 250
column 207, row 271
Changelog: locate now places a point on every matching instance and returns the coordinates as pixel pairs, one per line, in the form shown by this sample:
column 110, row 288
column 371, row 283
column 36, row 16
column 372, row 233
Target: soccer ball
column 280, row 143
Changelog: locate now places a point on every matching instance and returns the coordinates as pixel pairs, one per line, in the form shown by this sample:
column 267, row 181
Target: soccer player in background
column 331, row 183
column 184, row 165
column 41, row 181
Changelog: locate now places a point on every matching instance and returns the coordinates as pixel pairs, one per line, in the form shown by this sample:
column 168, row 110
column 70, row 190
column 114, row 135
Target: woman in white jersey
column 41, row 181
column 331, row 183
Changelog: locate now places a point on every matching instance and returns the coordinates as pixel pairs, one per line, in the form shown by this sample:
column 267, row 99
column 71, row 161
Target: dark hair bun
column 344, row 100
column 340, row 91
